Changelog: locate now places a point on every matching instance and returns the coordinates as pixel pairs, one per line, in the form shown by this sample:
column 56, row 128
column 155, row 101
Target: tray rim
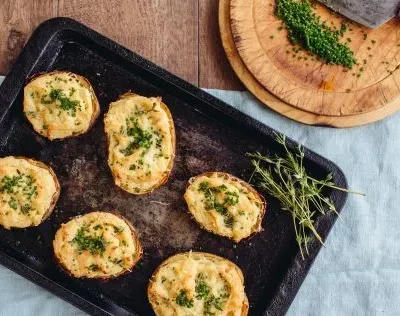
column 11, row 86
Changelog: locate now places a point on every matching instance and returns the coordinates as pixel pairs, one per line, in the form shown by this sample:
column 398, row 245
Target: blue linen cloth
column 358, row 273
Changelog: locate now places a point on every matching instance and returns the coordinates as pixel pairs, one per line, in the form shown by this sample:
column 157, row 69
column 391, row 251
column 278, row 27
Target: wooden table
column 180, row 35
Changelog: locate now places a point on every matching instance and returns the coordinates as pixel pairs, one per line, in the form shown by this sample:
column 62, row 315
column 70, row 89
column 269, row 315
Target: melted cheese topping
column 26, row 192
column 59, row 105
column 224, row 206
column 96, row 245
column 141, row 143
column 197, row 284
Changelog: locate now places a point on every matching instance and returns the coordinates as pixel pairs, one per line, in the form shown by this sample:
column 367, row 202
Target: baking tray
column 211, row 135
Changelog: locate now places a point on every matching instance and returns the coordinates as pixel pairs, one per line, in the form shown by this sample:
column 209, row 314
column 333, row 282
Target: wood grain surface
column 18, row 18
column 164, row 31
column 307, row 83
column 214, row 69
column 180, row 35
column 276, row 104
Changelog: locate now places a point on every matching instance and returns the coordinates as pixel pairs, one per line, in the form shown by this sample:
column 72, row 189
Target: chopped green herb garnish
column 202, row 289
column 94, row 244
column 118, row 230
column 117, row 261
column 19, row 184
column 182, row 299
column 13, row 203
column 203, row 292
column 31, row 113
column 72, row 91
column 26, row 208
column 306, row 29
column 58, row 97
column 94, row 267
column 230, row 199
column 141, row 138
column 98, row 227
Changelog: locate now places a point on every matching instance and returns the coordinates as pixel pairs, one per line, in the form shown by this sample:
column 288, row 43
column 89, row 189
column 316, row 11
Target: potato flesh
column 50, row 120
column 120, row 251
column 13, row 203
column 219, row 274
column 142, row 169
column 245, row 213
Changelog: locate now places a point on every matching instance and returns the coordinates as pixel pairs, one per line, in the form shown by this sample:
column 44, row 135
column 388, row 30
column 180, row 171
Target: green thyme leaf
column 301, row 195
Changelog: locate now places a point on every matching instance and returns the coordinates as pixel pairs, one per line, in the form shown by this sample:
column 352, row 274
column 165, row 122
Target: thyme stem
column 286, row 179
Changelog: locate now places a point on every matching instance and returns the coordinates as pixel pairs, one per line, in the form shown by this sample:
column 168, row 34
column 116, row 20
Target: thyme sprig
column 286, row 179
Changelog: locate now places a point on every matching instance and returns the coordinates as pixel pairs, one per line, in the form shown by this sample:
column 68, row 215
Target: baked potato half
column 197, row 283
column 141, row 142
column 29, row 190
column 99, row 245
column 225, row 205
column 60, row 104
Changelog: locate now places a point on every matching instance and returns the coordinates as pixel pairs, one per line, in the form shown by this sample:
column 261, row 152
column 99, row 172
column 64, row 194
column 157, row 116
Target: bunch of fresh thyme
column 286, row 179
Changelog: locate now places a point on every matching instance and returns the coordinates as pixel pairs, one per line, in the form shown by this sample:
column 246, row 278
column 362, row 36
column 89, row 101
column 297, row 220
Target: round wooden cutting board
column 329, row 102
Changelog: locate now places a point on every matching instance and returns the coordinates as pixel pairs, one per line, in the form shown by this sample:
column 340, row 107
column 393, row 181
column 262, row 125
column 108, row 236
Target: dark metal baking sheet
column 211, row 135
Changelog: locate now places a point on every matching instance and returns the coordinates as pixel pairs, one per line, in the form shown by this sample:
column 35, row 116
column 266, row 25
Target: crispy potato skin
column 138, row 256
column 257, row 227
column 165, row 178
column 56, row 182
column 86, row 84
column 196, row 255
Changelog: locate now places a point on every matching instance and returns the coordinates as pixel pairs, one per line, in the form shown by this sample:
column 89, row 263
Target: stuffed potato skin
column 197, row 283
column 97, row 245
column 60, row 104
column 225, row 205
column 29, row 190
column 141, row 142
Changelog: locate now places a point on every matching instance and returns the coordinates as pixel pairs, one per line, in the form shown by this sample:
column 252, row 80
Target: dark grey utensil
column 371, row 13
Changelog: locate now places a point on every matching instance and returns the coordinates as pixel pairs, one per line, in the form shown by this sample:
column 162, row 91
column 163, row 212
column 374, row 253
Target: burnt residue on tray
column 207, row 140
